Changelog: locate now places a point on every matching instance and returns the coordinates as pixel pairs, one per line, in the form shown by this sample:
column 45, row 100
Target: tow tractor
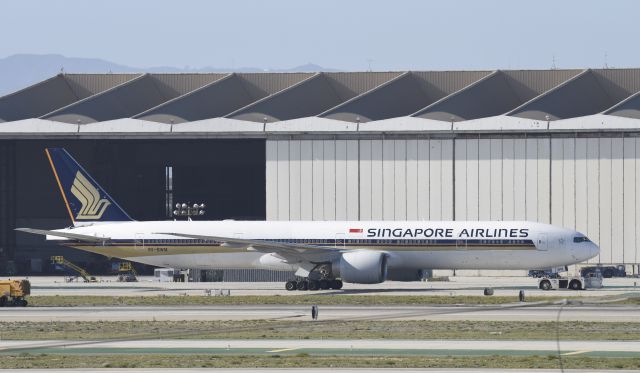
column 12, row 292
column 591, row 281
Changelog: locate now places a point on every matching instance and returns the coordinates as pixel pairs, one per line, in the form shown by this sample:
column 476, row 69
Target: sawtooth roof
column 352, row 97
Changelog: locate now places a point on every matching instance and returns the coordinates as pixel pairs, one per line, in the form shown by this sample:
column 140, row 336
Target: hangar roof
column 131, row 97
column 409, row 101
column 57, row 92
column 629, row 107
column 495, row 94
column 403, row 95
column 221, row 97
column 590, row 92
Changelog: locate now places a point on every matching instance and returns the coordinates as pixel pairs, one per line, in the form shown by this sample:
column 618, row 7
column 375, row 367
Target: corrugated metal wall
column 397, row 179
column 586, row 183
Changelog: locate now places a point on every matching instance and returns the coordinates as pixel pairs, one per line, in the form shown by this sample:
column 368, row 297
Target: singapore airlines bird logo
column 92, row 205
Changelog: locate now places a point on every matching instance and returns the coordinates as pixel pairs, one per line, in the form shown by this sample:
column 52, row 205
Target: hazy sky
column 342, row 34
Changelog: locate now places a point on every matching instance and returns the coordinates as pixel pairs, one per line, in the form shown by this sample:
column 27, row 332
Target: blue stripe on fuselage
column 339, row 242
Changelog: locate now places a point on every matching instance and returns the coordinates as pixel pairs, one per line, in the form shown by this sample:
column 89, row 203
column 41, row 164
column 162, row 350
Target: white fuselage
column 408, row 244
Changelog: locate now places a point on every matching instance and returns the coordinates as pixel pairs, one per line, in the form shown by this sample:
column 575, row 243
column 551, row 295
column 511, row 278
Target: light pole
column 183, row 209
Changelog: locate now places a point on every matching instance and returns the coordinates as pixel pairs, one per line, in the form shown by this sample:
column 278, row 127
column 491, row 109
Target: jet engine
column 406, row 275
column 362, row 267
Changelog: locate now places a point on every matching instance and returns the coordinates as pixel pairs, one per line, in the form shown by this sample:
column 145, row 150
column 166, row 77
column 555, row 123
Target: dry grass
column 264, row 329
column 42, row 361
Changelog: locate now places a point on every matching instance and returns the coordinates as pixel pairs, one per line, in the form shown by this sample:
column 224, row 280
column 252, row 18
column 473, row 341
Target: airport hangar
column 555, row 146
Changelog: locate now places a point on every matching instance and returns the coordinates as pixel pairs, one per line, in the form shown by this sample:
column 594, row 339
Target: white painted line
column 576, row 353
column 285, row 349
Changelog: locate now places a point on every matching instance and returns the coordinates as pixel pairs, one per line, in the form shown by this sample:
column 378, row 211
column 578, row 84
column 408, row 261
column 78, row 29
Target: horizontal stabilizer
column 71, row 236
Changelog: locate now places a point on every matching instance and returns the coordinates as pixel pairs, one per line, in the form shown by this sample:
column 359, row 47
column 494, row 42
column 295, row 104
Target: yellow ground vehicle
column 63, row 262
column 12, row 292
column 127, row 273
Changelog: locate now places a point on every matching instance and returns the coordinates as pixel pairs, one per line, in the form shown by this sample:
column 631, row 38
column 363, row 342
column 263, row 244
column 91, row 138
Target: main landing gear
column 321, row 277
column 307, row 284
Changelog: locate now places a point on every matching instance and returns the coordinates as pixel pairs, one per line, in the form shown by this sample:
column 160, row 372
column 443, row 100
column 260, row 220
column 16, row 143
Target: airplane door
column 543, row 243
column 340, row 241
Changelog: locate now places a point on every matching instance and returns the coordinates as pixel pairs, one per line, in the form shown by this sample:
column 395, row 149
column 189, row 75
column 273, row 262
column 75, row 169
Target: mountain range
column 22, row 70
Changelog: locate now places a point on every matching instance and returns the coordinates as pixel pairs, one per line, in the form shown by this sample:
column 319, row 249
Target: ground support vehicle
column 13, row 292
column 607, row 271
column 540, row 273
column 61, row 261
column 592, row 281
column 127, row 273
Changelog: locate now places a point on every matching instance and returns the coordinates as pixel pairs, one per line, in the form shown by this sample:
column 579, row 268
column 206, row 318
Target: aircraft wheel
column 545, row 285
column 314, row 285
column 336, row 284
column 291, row 285
column 303, row 285
column 324, row 284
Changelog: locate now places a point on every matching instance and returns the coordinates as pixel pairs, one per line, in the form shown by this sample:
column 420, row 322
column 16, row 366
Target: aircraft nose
column 594, row 250
column 585, row 251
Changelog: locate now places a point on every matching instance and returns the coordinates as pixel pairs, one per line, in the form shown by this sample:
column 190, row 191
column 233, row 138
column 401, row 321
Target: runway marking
column 285, row 349
column 576, row 353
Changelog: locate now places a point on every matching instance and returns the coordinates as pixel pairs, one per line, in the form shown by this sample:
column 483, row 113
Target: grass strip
column 55, row 361
column 265, row 329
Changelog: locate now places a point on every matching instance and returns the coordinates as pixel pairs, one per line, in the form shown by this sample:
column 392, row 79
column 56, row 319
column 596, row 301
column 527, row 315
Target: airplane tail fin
column 85, row 199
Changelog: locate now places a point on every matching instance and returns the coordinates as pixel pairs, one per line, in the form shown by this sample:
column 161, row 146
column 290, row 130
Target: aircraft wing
column 72, row 236
column 286, row 250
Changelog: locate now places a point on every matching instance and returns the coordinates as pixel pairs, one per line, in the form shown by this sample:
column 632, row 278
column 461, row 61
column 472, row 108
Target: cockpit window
column 579, row 239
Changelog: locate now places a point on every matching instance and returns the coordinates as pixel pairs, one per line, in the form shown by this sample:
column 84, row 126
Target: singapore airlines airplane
column 323, row 253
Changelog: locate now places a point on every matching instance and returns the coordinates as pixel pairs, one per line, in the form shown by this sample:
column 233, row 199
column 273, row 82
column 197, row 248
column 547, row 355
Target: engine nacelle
column 362, row 267
column 406, row 275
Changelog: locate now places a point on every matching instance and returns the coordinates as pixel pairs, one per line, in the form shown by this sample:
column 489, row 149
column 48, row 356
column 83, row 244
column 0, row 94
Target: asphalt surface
column 333, row 347
column 458, row 286
column 511, row 312
column 503, row 286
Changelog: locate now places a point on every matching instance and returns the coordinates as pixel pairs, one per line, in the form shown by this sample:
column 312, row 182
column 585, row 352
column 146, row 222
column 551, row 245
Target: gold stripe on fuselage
column 130, row 251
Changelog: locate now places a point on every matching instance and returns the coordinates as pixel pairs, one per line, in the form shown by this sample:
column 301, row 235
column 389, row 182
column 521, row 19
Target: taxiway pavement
column 503, row 286
column 510, row 312
column 333, row 347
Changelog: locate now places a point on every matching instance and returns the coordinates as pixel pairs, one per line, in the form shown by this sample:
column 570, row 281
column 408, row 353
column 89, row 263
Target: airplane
column 323, row 254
